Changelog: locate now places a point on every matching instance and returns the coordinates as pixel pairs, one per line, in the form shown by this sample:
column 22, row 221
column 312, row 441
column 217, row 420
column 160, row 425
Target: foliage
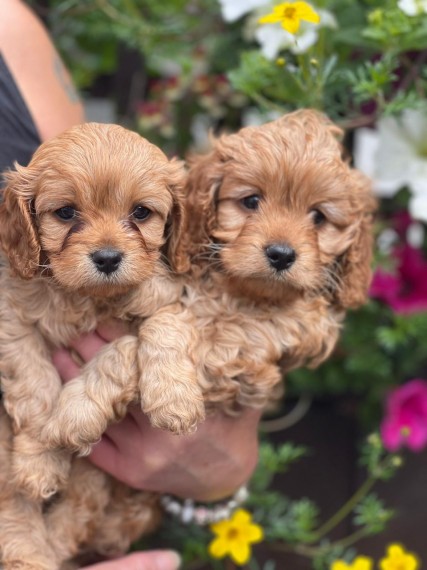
column 294, row 525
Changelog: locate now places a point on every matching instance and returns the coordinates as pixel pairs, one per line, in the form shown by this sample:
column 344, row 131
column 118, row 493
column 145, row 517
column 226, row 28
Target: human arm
column 38, row 71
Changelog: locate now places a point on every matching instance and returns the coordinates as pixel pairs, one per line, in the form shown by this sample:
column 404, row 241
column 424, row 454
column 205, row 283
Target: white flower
column 395, row 156
column 413, row 7
column 234, row 9
column 273, row 38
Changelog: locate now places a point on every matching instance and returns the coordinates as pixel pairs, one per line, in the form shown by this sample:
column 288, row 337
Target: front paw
column 180, row 417
column 73, row 436
column 29, row 565
column 40, row 475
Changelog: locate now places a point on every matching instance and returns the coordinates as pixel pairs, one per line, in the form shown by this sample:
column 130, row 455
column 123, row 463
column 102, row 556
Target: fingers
column 88, row 345
column 85, row 348
column 65, row 365
column 68, row 361
column 107, row 456
column 153, row 560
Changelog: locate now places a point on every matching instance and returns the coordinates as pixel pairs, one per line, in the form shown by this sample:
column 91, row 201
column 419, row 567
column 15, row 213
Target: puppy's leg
column 38, row 471
column 129, row 515
column 24, row 543
column 87, row 404
column 30, row 386
column 98, row 515
column 170, row 393
column 72, row 520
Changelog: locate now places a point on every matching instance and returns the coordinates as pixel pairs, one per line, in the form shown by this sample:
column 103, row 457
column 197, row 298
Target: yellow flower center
column 406, row 432
column 232, row 534
column 290, row 12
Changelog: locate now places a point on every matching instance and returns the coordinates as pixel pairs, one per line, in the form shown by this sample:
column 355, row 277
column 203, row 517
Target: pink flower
column 406, row 289
column 405, row 422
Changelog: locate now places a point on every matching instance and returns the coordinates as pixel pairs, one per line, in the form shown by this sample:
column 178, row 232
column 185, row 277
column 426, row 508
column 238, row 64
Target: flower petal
column 218, row 548
column 232, row 10
column 418, row 207
column 417, row 438
column 304, row 40
column 242, row 517
column 220, row 528
column 306, row 12
column 254, row 533
column 340, row 565
column 270, row 19
column 272, row 38
column 291, row 25
column 240, row 551
column 363, row 563
column 391, row 434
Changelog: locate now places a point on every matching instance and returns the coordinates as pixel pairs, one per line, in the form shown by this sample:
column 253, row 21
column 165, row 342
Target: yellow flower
column 290, row 14
column 398, row 559
column 359, row 563
column 234, row 537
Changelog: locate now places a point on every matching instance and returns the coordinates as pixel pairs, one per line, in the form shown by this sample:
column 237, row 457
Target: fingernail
column 169, row 559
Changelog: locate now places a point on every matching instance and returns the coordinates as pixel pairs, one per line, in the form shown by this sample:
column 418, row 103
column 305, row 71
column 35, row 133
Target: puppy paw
column 40, row 475
column 76, row 434
column 180, row 418
column 28, row 565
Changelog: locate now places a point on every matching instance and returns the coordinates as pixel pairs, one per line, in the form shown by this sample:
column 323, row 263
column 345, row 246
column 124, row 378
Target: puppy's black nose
column 107, row 260
column 280, row 256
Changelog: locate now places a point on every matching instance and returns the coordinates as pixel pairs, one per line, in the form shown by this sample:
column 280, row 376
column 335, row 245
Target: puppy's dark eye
column 141, row 213
column 318, row 217
column 251, row 202
column 66, row 213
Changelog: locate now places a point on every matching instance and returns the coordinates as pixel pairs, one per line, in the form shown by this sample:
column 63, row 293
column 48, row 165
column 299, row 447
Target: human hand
column 152, row 560
column 206, row 466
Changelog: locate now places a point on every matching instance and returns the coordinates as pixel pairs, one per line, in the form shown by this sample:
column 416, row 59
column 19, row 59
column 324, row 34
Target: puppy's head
column 97, row 207
column 281, row 210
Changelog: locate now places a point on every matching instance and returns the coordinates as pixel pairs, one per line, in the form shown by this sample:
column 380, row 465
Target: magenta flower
column 405, row 290
column 405, row 422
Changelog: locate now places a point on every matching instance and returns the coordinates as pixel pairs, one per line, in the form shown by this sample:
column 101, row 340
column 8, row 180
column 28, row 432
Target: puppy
column 281, row 241
column 86, row 228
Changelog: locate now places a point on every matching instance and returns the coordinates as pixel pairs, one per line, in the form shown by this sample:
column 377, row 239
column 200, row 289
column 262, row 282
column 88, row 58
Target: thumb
column 152, row 560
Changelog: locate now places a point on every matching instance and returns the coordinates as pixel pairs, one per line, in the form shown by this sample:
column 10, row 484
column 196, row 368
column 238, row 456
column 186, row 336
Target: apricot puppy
column 90, row 229
column 280, row 235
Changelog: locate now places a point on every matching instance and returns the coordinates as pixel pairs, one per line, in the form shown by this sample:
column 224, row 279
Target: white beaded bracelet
column 187, row 511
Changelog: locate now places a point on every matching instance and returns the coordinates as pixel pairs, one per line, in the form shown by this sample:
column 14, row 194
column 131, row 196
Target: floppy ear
column 204, row 179
column 18, row 234
column 355, row 264
column 176, row 227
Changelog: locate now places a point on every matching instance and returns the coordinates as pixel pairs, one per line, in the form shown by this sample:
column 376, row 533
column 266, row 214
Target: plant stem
column 352, row 538
column 308, row 551
column 344, row 511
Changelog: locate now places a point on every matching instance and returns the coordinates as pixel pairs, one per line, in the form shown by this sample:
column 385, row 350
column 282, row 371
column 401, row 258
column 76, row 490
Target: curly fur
column 255, row 322
column 54, row 292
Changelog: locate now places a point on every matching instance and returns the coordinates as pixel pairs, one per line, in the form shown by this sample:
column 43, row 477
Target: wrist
column 189, row 511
